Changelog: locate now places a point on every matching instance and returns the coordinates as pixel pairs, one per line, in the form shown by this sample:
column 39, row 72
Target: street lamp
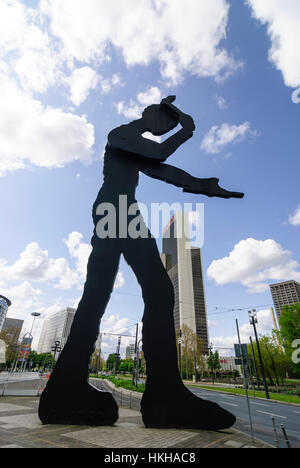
column 253, row 321
column 56, row 348
column 34, row 315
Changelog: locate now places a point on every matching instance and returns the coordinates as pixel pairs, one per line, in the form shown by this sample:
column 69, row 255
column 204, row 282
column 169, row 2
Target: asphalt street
column 261, row 412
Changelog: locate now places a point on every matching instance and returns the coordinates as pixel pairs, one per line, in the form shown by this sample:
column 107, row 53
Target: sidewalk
column 20, row 428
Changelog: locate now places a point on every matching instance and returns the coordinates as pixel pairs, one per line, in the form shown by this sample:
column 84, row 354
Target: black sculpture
column 68, row 397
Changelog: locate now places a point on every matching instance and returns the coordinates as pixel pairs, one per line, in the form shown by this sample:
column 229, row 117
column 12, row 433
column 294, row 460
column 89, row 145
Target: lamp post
column 56, row 348
column 254, row 321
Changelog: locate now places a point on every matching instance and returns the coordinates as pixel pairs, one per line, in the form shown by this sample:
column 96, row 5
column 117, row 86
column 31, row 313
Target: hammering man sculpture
column 68, row 397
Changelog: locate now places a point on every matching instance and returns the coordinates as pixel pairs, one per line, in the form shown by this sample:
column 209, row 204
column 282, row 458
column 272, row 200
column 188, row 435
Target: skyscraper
column 184, row 266
column 286, row 293
column 56, row 327
column 4, row 305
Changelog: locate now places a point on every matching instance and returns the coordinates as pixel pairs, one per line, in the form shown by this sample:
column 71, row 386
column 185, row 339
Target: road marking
column 226, row 403
column 271, row 414
column 260, row 404
column 297, row 412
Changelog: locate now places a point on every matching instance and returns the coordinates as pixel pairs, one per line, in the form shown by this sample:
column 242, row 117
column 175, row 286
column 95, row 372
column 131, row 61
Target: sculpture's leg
column 68, row 398
column 166, row 401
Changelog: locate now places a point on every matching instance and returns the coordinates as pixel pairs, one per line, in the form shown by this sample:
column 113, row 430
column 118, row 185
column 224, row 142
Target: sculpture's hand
column 168, row 100
column 210, row 188
column 184, row 119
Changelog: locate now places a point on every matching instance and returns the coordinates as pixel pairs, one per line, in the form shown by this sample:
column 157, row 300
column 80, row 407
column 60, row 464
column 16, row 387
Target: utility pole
column 135, row 362
column 254, row 321
column 254, row 362
column 117, row 357
column 245, row 380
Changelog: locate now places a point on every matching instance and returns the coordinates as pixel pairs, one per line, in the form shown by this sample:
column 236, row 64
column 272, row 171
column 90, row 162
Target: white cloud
column 108, row 83
column 81, row 82
column 295, row 218
column 22, row 291
column 183, row 37
column 34, row 264
column 31, row 133
column 221, row 102
column 282, row 19
column 134, row 109
column 253, row 263
column 219, row 137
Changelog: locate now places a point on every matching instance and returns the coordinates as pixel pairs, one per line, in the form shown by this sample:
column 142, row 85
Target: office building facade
column 14, row 327
column 184, row 266
column 56, row 327
column 130, row 351
column 285, row 293
column 4, row 306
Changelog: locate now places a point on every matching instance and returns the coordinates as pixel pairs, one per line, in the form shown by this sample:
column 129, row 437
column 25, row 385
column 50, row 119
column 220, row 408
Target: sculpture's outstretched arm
column 179, row 178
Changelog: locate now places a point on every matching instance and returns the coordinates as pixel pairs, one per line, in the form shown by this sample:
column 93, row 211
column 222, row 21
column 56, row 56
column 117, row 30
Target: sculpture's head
column 158, row 120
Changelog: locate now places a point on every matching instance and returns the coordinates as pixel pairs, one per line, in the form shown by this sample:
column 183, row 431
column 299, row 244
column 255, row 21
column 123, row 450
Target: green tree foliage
column 192, row 351
column 213, row 363
column 126, row 365
column 290, row 332
column 274, row 359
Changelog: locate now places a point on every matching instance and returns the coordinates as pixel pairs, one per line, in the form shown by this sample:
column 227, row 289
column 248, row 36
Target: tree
column 126, row 365
column 274, row 359
column 213, row 363
column 192, row 351
column 290, row 331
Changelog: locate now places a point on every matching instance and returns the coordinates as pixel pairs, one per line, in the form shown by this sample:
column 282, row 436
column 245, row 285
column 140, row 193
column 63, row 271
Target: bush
column 127, row 384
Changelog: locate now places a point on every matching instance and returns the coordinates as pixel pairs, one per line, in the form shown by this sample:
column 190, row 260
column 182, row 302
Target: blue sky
column 69, row 73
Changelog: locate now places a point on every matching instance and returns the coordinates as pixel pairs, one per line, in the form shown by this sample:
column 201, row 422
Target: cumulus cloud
column 31, row 133
column 182, row 37
column 34, row 264
column 81, row 82
column 282, row 19
column 295, row 218
column 134, row 109
column 253, row 263
column 219, row 137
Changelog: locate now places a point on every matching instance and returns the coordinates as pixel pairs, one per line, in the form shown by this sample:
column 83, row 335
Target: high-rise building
column 14, row 327
column 56, row 327
column 4, row 305
column 130, row 351
column 286, row 293
column 184, row 266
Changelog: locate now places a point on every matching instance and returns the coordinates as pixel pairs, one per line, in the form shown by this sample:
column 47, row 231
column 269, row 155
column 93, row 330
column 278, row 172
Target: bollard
column 285, row 437
column 275, row 433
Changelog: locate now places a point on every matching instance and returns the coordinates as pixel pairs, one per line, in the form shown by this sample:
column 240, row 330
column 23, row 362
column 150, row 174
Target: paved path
column 262, row 412
column 21, row 428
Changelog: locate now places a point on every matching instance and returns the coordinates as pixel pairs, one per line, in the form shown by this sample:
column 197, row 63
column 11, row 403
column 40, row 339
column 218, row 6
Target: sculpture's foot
column 80, row 404
column 182, row 409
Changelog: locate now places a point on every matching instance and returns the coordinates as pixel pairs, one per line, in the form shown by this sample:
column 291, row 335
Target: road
column 262, row 412
column 23, row 383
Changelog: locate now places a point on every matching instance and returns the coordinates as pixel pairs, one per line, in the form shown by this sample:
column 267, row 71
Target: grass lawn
column 258, row 394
